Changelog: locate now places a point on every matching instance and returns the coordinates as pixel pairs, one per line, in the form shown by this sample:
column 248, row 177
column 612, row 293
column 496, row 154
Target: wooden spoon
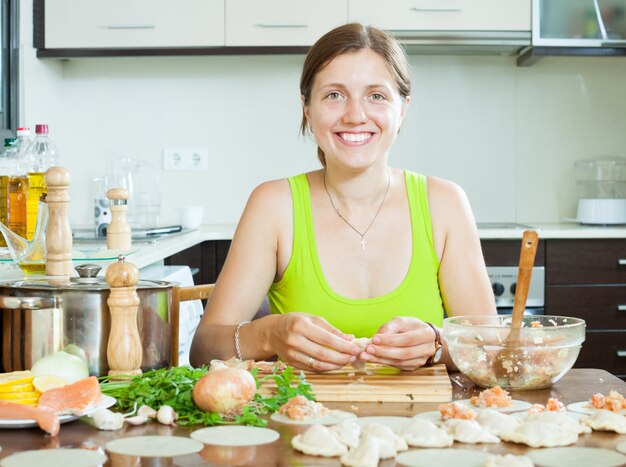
column 505, row 364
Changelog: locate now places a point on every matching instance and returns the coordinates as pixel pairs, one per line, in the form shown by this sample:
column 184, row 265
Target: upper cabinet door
column 442, row 15
column 281, row 22
column 133, row 23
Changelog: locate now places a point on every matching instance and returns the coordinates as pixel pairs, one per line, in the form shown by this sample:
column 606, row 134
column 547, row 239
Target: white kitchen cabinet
column 443, row 15
column 281, row 22
column 114, row 24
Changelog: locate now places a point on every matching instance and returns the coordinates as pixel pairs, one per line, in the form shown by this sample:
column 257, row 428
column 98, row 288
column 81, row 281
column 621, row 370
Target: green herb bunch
column 174, row 386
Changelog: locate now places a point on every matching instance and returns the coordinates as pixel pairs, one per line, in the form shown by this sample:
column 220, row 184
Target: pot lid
column 87, row 280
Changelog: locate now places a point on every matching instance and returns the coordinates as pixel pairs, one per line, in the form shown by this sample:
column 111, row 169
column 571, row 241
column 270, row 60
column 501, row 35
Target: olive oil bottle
column 7, row 160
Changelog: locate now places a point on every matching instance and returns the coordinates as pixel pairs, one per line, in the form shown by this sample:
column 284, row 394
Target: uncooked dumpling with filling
column 369, row 452
column 423, row 433
column 317, row 440
column 541, row 435
column 559, row 418
column 362, row 343
column 496, row 422
column 347, row 432
column 605, row 420
column 384, row 432
column 469, row 431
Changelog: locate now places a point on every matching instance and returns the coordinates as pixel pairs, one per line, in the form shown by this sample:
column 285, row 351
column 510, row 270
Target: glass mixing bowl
column 544, row 350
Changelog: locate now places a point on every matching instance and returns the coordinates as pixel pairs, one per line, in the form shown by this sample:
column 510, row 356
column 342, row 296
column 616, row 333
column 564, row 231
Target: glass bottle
column 18, row 184
column 41, row 155
column 7, row 158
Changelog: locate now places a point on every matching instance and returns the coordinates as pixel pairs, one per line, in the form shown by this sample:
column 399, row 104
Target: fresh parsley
column 174, row 386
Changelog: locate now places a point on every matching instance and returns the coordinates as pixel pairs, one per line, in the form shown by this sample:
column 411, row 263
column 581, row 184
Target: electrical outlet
column 185, row 159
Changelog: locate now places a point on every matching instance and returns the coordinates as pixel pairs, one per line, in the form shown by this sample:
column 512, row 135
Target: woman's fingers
column 403, row 332
column 398, row 354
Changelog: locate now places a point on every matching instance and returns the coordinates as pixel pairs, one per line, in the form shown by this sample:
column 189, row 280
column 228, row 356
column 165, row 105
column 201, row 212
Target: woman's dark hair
column 352, row 37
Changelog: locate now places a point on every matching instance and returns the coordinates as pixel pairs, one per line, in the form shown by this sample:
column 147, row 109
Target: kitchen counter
column 572, row 230
column 577, row 385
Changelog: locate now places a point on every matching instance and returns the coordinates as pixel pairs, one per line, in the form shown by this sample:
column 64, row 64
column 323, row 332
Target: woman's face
column 355, row 109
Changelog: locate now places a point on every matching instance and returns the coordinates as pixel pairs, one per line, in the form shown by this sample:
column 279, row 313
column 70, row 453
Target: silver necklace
column 363, row 242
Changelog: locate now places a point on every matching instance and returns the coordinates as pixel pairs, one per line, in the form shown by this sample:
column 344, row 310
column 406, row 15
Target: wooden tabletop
column 577, row 385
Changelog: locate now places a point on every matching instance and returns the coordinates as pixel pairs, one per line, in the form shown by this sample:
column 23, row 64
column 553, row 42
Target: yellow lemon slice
column 16, row 396
column 43, row 383
column 30, row 402
column 16, row 377
column 16, row 387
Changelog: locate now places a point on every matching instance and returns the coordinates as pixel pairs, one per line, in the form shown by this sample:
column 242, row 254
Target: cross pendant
column 362, row 242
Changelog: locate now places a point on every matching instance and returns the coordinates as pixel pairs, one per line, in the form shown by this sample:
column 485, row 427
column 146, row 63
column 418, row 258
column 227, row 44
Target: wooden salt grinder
column 118, row 232
column 58, row 231
column 124, row 350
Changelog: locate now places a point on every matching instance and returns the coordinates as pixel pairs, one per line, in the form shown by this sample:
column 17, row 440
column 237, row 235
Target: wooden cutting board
column 379, row 384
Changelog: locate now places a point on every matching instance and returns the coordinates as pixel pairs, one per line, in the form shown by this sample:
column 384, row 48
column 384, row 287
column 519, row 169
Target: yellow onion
column 224, row 391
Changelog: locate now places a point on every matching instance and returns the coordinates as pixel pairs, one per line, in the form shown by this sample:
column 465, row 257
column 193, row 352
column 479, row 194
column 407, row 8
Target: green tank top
column 303, row 286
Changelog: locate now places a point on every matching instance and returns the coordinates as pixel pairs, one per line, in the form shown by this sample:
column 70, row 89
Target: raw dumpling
column 541, row 435
column 385, row 433
column 606, row 421
column 362, row 343
column 423, row 433
column 347, row 433
column 469, row 431
column 369, row 451
column 317, row 440
column 508, row 460
column 559, row 418
column 496, row 422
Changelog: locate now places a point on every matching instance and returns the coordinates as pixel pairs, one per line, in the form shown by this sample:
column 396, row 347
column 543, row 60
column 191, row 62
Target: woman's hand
column 310, row 343
column 405, row 343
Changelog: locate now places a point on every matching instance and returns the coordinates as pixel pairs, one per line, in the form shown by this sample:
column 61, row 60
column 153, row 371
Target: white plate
column 105, row 402
column 573, row 415
column 442, row 458
column 581, row 408
column 516, row 406
column 434, row 416
column 576, row 456
column 334, row 417
column 397, row 424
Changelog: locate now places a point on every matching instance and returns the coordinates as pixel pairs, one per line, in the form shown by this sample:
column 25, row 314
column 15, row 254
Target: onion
column 69, row 367
column 224, row 391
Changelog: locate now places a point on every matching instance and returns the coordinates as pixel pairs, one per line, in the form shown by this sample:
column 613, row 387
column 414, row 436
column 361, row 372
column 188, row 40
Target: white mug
column 191, row 216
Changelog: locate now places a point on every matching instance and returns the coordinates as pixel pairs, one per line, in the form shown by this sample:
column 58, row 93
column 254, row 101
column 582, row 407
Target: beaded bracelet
column 237, row 349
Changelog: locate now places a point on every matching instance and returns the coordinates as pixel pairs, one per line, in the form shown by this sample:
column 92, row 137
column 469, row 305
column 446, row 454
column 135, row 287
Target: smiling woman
column 356, row 249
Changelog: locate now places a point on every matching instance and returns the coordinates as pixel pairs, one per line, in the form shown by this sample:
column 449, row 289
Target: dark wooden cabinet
column 207, row 258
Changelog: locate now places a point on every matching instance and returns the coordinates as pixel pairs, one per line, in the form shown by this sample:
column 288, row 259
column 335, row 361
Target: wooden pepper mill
column 124, row 350
column 118, row 232
column 58, row 231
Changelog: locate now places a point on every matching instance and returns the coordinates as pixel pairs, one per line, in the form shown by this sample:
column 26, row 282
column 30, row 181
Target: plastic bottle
column 7, row 159
column 40, row 155
column 18, row 184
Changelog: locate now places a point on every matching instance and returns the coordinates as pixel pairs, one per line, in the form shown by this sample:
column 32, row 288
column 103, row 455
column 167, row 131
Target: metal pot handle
column 29, row 303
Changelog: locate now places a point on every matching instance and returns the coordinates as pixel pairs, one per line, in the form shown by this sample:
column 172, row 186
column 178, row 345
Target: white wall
column 508, row 135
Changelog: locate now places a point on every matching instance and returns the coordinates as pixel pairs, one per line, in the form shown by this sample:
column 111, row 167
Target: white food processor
column 602, row 190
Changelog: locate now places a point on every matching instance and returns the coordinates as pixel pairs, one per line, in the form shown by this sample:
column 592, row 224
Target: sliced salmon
column 73, row 398
column 46, row 418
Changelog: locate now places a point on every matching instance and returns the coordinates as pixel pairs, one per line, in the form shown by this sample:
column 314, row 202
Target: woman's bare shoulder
column 270, row 197
column 442, row 192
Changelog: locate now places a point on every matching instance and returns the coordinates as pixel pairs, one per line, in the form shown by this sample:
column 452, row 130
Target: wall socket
column 185, row 159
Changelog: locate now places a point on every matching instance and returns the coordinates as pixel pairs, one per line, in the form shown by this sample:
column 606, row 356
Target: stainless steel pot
column 47, row 314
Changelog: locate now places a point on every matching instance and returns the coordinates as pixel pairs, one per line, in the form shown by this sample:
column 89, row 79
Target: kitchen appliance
column 46, row 314
column 602, row 191
column 504, row 281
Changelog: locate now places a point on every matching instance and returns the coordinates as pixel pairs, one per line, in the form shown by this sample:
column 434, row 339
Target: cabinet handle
column 621, row 262
column 621, row 353
column 282, row 25
column 131, row 26
column 436, row 10
column 621, row 307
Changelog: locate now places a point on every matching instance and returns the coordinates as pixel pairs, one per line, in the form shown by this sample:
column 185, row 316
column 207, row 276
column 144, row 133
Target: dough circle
column 235, row 435
column 621, row 447
column 333, row 417
column 442, row 458
column 516, row 406
column 154, row 446
column 55, row 458
column 577, row 457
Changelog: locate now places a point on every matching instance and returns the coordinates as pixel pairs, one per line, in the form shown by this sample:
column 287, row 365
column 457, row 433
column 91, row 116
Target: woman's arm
column 257, row 252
